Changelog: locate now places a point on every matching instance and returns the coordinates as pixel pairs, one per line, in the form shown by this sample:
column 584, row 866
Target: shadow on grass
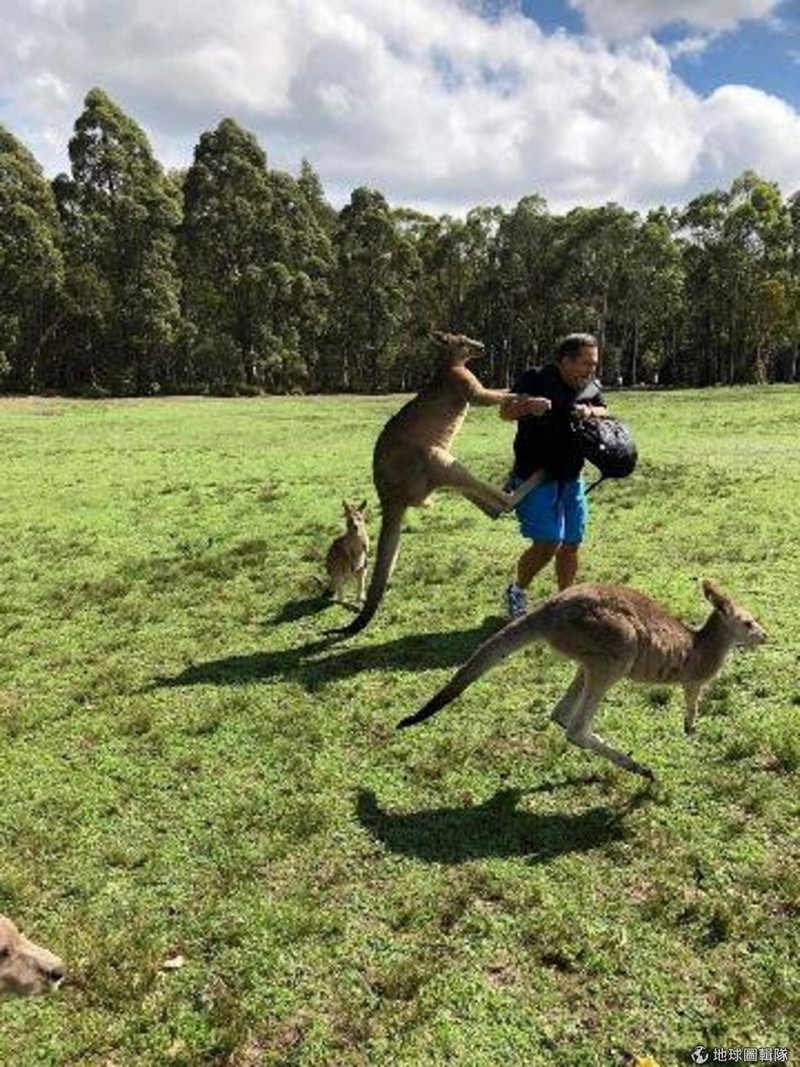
column 313, row 670
column 301, row 609
column 495, row 828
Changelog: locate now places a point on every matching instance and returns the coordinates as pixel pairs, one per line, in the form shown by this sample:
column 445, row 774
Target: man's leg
column 539, row 523
column 566, row 564
column 576, row 514
column 534, row 559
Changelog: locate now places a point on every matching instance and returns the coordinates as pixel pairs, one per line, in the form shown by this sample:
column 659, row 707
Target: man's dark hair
column 573, row 343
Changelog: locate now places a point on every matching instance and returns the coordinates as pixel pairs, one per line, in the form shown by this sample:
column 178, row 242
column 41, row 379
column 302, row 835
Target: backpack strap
column 594, row 484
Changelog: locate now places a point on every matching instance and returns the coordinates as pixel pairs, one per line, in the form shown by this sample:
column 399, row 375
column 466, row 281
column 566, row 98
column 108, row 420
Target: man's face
column 580, row 369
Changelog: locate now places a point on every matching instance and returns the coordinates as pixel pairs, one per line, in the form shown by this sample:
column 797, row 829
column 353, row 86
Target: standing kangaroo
column 613, row 632
column 412, row 458
column 25, row 967
column 348, row 554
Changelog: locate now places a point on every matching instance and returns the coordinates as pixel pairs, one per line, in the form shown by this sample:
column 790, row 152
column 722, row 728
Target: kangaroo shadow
column 313, row 670
column 294, row 610
column 496, row 828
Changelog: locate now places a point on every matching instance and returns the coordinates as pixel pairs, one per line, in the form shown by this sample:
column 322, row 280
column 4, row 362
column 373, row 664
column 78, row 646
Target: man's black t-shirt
column 545, row 441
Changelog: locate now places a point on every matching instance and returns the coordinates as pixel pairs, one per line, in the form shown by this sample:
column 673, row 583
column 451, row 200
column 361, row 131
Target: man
column 553, row 515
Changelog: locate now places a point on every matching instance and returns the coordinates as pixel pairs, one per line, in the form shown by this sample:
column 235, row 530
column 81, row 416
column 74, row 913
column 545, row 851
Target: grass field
column 190, row 770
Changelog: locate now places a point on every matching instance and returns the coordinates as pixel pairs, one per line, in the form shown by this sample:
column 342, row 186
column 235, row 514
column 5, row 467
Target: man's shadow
column 309, row 664
column 496, row 828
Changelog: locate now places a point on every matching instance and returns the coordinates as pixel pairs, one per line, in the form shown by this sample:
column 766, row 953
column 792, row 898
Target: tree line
column 230, row 277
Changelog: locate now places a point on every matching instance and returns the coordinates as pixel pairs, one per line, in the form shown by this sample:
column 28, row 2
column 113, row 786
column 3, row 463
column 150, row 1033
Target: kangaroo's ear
column 442, row 338
column 362, row 507
column 346, row 507
column 715, row 596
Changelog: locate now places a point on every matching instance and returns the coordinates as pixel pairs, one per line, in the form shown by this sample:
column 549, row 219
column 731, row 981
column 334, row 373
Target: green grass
column 190, row 769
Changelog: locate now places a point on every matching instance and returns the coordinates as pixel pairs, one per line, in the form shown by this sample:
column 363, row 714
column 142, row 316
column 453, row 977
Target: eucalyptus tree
column 256, row 260
column 527, row 279
column 31, row 267
column 651, row 311
column 791, row 361
column 702, row 223
column 119, row 214
column 593, row 272
column 456, row 266
column 739, row 285
column 480, row 307
column 441, row 244
column 298, row 258
column 760, row 224
column 227, row 202
column 428, row 306
column 314, row 194
column 378, row 269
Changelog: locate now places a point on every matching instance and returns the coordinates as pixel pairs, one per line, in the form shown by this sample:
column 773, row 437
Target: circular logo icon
column 700, row 1054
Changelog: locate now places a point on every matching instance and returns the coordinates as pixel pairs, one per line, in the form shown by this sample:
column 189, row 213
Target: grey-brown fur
column 347, row 558
column 25, row 967
column 613, row 632
column 412, row 457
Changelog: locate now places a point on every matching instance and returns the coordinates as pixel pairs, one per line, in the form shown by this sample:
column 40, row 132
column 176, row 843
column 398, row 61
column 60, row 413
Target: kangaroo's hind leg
column 565, row 708
column 599, row 677
column 450, row 474
column 691, row 692
column 505, row 501
column 361, row 577
column 525, row 487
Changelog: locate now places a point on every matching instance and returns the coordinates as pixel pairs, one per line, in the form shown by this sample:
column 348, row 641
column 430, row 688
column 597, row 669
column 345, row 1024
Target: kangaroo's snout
column 751, row 634
column 25, row 967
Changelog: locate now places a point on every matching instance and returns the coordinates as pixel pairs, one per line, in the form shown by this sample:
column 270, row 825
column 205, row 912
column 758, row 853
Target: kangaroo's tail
column 495, row 648
column 386, row 557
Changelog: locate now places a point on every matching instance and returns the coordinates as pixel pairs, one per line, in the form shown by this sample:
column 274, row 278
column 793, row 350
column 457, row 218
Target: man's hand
column 586, row 411
column 516, row 405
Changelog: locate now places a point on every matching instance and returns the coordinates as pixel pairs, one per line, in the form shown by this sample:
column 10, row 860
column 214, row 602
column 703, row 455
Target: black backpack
column 607, row 443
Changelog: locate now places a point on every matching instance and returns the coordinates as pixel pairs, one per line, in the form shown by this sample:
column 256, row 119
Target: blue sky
column 441, row 104
column 759, row 55
column 764, row 53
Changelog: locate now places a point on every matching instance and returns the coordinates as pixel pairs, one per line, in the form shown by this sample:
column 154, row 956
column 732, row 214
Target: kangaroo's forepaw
column 502, row 509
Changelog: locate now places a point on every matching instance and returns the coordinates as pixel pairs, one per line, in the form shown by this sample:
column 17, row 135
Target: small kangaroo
column 412, row 458
column 347, row 556
column 25, row 968
column 613, row 632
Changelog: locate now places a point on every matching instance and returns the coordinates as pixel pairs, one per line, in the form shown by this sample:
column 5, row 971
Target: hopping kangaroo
column 347, row 557
column 24, row 966
column 412, row 458
column 613, row 632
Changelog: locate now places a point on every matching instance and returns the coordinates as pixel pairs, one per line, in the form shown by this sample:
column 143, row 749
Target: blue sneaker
column 516, row 601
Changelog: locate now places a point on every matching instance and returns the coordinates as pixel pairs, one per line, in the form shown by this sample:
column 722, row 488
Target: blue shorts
column 554, row 511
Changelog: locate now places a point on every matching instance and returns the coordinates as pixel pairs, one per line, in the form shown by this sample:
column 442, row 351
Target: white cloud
column 689, row 46
column 428, row 101
column 628, row 19
column 743, row 125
